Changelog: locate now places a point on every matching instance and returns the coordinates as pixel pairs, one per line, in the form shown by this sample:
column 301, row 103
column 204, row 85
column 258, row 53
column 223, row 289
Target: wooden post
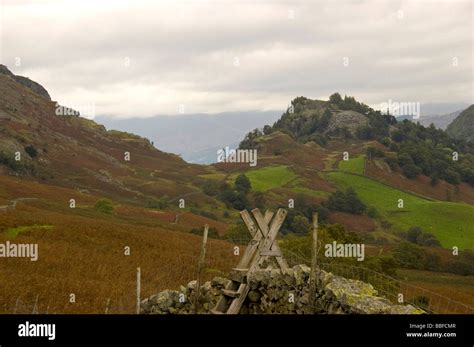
column 138, row 289
column 35, row 307
column 200, row 267
column 107, row 306
column 314, row 261
column 16, row 305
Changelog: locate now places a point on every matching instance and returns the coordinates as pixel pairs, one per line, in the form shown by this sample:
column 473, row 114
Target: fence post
column 138, row 289
column 200, row 267
column 314, row 262
column 107, row 306
column 16, row 305
column 35, row 307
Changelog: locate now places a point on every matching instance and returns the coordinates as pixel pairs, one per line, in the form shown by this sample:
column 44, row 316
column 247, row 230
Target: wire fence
column 221, row 257
column 393, row 289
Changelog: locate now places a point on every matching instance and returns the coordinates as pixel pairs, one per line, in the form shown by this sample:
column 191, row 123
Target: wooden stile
column 263, row 229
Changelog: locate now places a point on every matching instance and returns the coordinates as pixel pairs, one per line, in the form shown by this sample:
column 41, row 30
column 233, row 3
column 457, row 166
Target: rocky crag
column 273, row 291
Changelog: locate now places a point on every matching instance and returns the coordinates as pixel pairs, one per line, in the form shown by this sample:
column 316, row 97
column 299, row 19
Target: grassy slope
column 355, row 165
column 268, row 177
column 450, row 222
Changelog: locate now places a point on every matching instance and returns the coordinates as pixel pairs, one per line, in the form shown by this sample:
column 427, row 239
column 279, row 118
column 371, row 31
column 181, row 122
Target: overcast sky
column 143, row 58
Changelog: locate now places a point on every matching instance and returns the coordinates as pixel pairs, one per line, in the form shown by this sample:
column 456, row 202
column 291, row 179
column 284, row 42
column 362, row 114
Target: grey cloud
column 183, row 52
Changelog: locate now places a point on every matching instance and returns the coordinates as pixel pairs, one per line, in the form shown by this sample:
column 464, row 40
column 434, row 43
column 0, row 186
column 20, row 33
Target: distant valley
column 196, row 137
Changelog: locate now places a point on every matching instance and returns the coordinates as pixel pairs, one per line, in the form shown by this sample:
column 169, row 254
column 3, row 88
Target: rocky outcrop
column 32, row 85
column 349, row 120
column 275, row 292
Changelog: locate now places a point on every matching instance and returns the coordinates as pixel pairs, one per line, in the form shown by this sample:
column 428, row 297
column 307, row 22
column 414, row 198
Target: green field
column 268, row 177
column 355, row 165
column 452, row 223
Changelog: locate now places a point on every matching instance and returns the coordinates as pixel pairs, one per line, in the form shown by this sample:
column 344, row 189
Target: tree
column 300, row 225
column 347, row 201
column 411, row 170
column 240, row 201
column 242, row 184
column 335, row 99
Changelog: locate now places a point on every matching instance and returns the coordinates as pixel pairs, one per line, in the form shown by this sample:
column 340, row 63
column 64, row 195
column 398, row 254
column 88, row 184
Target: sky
column 145, row 58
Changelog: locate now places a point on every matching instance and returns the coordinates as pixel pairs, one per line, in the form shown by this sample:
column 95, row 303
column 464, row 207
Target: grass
column 355, row 165
column 455, row 287
column 13, row 232
column 268, row 177
column 452, row 223
column 214, row 176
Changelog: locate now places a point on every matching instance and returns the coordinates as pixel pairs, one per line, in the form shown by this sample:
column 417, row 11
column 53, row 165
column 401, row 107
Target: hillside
column 462, row 127
column 127, row 195
column 82, row 245
column 76, row 152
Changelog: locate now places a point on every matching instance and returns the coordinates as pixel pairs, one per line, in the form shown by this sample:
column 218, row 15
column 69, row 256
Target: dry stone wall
column 281, row 292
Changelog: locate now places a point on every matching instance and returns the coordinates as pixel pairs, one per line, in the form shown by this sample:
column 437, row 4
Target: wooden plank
column 237, row 303
column 230, row 293
column 269, row 243
column 240, row 269
column 268, row 216
column 264, row 234
column 238, row 275
column 251, row 249
column 271, row 253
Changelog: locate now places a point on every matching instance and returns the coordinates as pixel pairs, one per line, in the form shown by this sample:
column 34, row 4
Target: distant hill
column 439, row 121
column 438, row 114
column 196, row 137
column 463, row 126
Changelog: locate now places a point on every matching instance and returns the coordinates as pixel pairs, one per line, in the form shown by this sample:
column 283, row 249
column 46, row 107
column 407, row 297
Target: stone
column 269, row 293
column 254, row 296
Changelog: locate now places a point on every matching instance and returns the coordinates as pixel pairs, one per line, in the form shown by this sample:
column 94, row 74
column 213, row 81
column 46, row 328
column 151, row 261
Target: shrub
column 242, row 184
column 346, row 201
column 104, row 206
column 210, row 188
column 300, row 225
column 31, row 150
